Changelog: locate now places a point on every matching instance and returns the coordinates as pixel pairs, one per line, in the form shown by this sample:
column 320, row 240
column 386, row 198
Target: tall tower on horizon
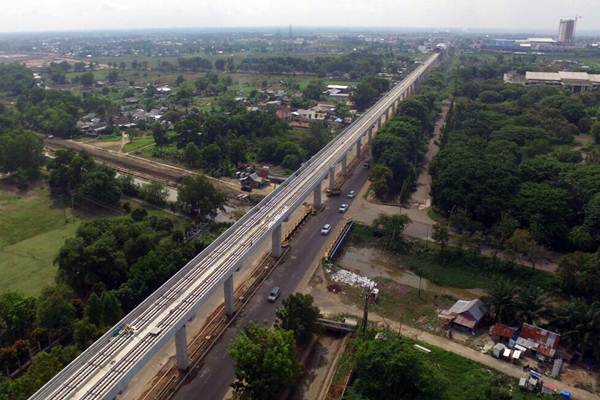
column 566, row 30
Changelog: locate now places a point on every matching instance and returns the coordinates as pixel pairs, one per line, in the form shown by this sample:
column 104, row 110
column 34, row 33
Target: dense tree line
column 356, row 65
column 510, row 173
column 104, row 271
column 77, row 177
column 219, row 142
column 400, row 147
column 21, row 153
column 509, row 150
column 368, row 90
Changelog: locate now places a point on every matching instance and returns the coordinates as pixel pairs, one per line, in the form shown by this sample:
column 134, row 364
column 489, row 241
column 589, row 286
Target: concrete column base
column 228, row 294
column 276, row 241
column 181, row 351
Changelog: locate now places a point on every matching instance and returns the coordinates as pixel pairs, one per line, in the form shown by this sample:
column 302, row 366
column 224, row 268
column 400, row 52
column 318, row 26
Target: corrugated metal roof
column 542, row 76
column 574, row 76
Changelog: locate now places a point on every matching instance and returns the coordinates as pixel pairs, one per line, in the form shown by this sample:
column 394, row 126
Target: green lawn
column 468, row 379
column 468, row 271
column 32, row 231
column 138, row 143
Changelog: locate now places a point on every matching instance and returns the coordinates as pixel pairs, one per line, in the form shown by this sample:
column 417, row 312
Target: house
column 338, row 92
column 465, row 314
column 283, row 113
column 252, row 180
column 310, row 115
column 502, row 333
column 164, row 90
column 538, row 340
column 131, row 100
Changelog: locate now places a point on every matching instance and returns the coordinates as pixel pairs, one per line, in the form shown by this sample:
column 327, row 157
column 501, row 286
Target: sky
column 517, row 15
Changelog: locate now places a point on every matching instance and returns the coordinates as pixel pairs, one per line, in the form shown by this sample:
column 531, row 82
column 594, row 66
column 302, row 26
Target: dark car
column 274, row 294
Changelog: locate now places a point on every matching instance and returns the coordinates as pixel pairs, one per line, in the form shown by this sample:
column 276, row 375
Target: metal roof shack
column 540, row 335
column 502, row 331
column 539, row 340
column 465, row 313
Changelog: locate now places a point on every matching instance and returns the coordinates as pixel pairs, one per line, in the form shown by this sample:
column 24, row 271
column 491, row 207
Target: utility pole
column 366, row 310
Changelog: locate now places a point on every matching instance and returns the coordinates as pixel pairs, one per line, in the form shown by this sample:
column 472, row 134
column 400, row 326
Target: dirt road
column 503, row 367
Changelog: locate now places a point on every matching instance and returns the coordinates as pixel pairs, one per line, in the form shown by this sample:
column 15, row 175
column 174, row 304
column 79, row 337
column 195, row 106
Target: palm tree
column 501, row 301
column 579, row 325
column 531, row 304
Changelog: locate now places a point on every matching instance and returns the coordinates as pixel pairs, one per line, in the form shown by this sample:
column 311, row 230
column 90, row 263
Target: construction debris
column 352, row 279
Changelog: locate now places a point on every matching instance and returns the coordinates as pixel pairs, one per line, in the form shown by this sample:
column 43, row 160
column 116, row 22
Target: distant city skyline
column 471, row 15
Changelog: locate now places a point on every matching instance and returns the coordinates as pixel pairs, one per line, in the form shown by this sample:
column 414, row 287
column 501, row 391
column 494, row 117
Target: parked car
column 326, row 229
column 274, row 294
column 343, row 208
column 351, row 194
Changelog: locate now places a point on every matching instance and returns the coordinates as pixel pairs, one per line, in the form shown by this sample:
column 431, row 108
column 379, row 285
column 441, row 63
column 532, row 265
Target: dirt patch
column 580, row 377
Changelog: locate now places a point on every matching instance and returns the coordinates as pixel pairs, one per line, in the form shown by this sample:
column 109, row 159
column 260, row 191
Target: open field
column 33, row 229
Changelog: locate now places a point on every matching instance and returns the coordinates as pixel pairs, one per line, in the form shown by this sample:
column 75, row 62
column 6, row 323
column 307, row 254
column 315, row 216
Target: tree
column 381, row 177
column 299, row 315
column 111, row 308
column 85, row 333
column 595, row 131
column 192, row 155
column 265, row 362
column 314, row 90
column 160, row 135
column 154, row 193
column 93, row 310
column 592, row 216
column 220, row 64
column 21, row 152
column 531, row 304
column 101, row 185
column 112, row 76
column 501, row 301
column 391, row 229
column 579, row 325
column 441, row 236
column 198, row 198
column 55, row 311
column 393, row 369
column 87, row 79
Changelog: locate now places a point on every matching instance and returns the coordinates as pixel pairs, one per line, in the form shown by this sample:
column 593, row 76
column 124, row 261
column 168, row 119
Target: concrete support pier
column 228, row 292
column 358, row 144
column 276, row 241
column 317, row 203
column 181, row 351
column 344, row 166
column 331, row 178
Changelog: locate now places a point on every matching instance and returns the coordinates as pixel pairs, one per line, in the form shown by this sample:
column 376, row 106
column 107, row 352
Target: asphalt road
column 216, row 374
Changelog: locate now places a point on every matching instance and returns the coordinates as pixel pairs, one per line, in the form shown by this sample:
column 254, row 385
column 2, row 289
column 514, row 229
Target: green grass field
column 465, row 271
column 468, row 379
column 463, row 378
column 32, row 231
column 138, row 143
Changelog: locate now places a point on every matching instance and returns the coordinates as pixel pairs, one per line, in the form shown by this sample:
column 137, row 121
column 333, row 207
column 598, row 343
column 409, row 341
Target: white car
column 326, row 229
column 343, row 208
column 351, row 194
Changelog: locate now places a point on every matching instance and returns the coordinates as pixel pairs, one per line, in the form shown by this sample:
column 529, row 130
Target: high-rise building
column 566, row 30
